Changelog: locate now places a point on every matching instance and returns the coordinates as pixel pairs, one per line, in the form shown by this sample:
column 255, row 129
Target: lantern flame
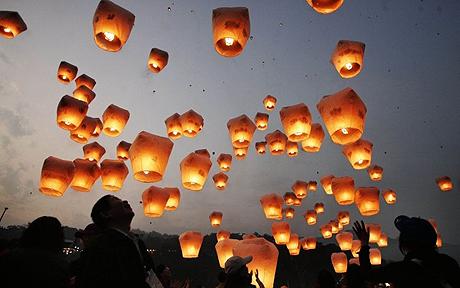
column 7, row 30
column 229, row 41
column 109, row 36
column 344, row 131
column 349, row 66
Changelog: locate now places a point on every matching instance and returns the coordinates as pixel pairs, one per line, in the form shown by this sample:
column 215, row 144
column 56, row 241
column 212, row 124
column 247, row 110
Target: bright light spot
column 189, row 130
column 7, row 30
column 154, row 65
column 91, row 159
column 298, row 133
column 344, row 131
column 67, row 122
column 241, row 140
column 146, row 172
column 80, row 136
column 64, row 77
column 112, row 129
column 349, row 66
column 229, row 41
column 360, row 161
column 109, row 36
column 175, row 132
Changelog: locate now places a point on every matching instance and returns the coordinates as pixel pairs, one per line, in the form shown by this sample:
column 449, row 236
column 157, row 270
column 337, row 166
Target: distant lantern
column 191, row 123
column 231, row 29
column 312, row 186
column 383, row 241
column 86, row 173
column 375, row 172
column 154, row 200
column 123, row 150
column 203, row 152
column 296, row 120
column 355, row 247
column 353, row 261
column 300, row 189
column 93, row 151
column 194, row 169
column 174, row 198
column 271, row 203
column 158, row 59
column 319, row 208
column 260, row 147
column 326, row 231
column 289, row 213
column 292, row 149
column 84, row 94
column 114, row 119
column 85, row 80
column 344, row 115
column 343, row 217
column 325, row 6
column 315, row 139
column 56, row 176
column 112, row 25
column 344, row 239
column 326, row 182
column 98, row 129
column 173, row 126
column 241, row 129
column 281, row 232
column 359, row 154
column 222, row 235
column 224, row 250
column 190, row 244
column 11, row 24
column 335, row 226
column 264, row 258
column 367, row 200
column 66, row 72
column 343, row 189
column 390, row 196
column 269, row 102
column 113, row 174
column 240, row 153
column 295, row 251
column 84, row 131
column 444, row 183
column 439, row 241
column 310, row 217
column 339, row 262
column 261, row 121
column 375, row 256
column 308, row 243
column 225, row 162
column 215, row 218
column 293, row 242
column 220, row 180
column 375, row 230
column 289, row 198
column 297, row 202
column 70, row 112
column 348, row 58
column 149, row 155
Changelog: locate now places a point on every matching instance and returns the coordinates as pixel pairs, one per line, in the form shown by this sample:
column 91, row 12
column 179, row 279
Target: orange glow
column 359, row 154
column 216, row 219
column 339, row 262
column 326, row 182
column 269, row 102
column 367, row 200
column 281, row 232
column 272, row 206
column 344, row 239
column 343, row 189
column 190, row 244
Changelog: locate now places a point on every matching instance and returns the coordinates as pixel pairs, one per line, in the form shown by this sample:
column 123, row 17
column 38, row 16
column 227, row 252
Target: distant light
column 344, row 131
column 112, row 129
column 229, row 41
column 7, row 30
column 67, row 122
column 360, row 161
column 154, row 65
column 146, row 172
column 109, row 36
column 64, row 77
column 349, row 66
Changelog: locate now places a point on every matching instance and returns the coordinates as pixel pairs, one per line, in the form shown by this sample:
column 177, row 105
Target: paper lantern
column 375, row 230
column 271, row 203
column 434, row 224
column 191, row 123
column 84, row 131
column 354, row 261
column 260, row 147
column 261, row 121
column 194, row 170
column 367, row 200
column 173, row 126
column 113, row 174
column 310, row 217
column 190, row 244
column 308, row 243
column 439, row 241
column 249, row 236
column 269, row 102
column 344, row 115
column 326, row 182
column 93, row 151
column 215, row 218
column 85, row 80
column 300, row 189
column 203, row 152
column 224, row 250
column 339, row 262
column 375, row 256
column 154, row 200
column 325, row 6
column 295, row 252
column 222, row 235
column 70, row 112
column 375, row 172
column 11, row 24
column 281, row 232
column 174, row 198
column 112, row 25
column 66, row 72
column 319, row 208
column 289, row 213
column 293, row 242
column 390, row 196
column 123, row 150
column 343, row 189
column 292, row 149
column 225, row 162
column 297, row 202
column 114, row 119
column 348, row 58
column 149, row 155
column 231, row 29
column 240, row 153
column 264, row 258
column 444, row 183
column 296, row 120
column 158, row 59
column 315, row 139
column 312, row 186
column 241, row 129
column 326, row 231
column 383, row 241
column 355, row 247
column 359, row 154
column 343, row 217
column 335, row 226
column 220, row 180
column 98, row 129
column 84, row 94
column 344, row 239
column 289, row 198
column 56, row 176
column 86, row 173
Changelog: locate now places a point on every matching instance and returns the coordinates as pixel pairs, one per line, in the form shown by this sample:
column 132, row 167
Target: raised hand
column 361, row 232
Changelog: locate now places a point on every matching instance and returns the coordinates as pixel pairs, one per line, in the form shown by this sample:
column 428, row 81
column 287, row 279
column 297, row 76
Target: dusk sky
column 409, row 83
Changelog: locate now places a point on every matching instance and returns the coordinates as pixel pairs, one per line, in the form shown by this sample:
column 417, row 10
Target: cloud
column 15, row 124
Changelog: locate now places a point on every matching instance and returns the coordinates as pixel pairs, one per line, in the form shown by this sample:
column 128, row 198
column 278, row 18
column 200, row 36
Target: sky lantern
column 231, row 30
column 114, row 119
column 93, row 151
column 260, row 147
column 289, row 212
column 390, row 196
column 444, row 183
column 343, row 189
column 296, row 120
column 222, row 235
column 56, row 176
column 295, row 251
column 314, row 141
column 123, row 150
column 241, row 129
column 353, row 261
column 439, row 241
column 344, row 239
column 326, row 182
column 335, row 228
column 434, row 224
column 112, row 25
column 312, row 186
column 224, row 250
column 264, row 258
column 367, row 200
column 339, row 262
column 293, row 242
column 375, row 172
column 343, row 217
column 194, row 169
column 359, row 153
column 375, row 256
column 326, row 231
column 84, row 94
column 11, row 24
column 86, row 173
column 249, row 236
column 99, row 126
column 85, row 80
column 173, row 126
column 375, row 230
column 191, row 123
column 261, row 121
column 310, row 217
column 308, row 243
column 300, row 189
column 70, row 112
column 292, row 149
column 190, row 244
column 297, row 202
column 325, row 6
column 113, row 174
column 66, row 72
column 83, row 132
column 344, row 115
column 281, row 232
column 149, row 155
column 269, row 102
column 355, row 247
column 240, row 153
column 154, row 200
column 271, row 203
column 215, row 218
column 289, row 198
column 225, row 162
column 158, row 59
column 220, row 180
column 383, row 241
column 348, row 58
column 173, row 199
column 319, row 208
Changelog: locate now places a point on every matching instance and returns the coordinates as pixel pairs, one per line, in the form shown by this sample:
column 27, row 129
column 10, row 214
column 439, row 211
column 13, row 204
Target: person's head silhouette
column 416, row 234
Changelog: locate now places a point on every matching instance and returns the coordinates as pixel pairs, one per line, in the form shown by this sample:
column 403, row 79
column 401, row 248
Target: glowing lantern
column 343, row 189
column 271, row 203
column 310, row 216
column 326, row 182
column 383, row 241
column 335, row 228
column 359, row 154
column 225, row 162
column 123, row 150
column 260, row 147
column 308, row 243
column 190, row 244
column 319, row 208
column 173, row 199
column 264, row 258
column 194, row 170
column 149, row 155
column 261, row 121
column 203, row 152
column 269, row 102
column 173, row 126
column 93, row 151
column 355, row 247
column 98, row 129
column 344, row 239
column 390, row 196
column 85, row 80
column 113, row 174
column 444, row 183
column 220, row 179
column 375, row 230
column 300, row 189
column 230, row 29
column 292, row 149
column 11, row 24
column 56, row 176
column 249, row 236
column 86, row 173
column 297, row 202
column 158, row 59
column 343, row 217
column 375, row 172
column 325, row 6
column 215, row 218
column 66, row 72
column 289, row 213
column 70, row 112
column 84, row 94
column 112, row 25
column 315, row 139
column 222, row 235
column 344, row 115
column 240, row 153
column 281, row 232
column 295, row 252
column 154, row 200
column 191, row 123
column 367, row 200
column 289, row 198
column 339, row 261
column 375, row 256
column 241, row 129
column 312, row 186
column 348, row 57
column 114, row 119
column 224, row 250
column 84, row 130
column 439, row 241
column 326, row 231
column 296, row 120
column 354, row 261
column 293, row 242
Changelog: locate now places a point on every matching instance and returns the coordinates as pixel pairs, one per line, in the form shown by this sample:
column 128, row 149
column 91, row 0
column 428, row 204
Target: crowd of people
column 114, row 257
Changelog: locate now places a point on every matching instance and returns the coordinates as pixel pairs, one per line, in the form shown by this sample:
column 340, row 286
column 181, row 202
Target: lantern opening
column 109, row 36
column 229, row 41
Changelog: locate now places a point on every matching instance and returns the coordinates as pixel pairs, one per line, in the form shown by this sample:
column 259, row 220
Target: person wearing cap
column 238, row 275
column 422, row 266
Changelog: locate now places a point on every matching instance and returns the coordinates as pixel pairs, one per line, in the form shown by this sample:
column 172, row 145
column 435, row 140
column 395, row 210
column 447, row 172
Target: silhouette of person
column 238, row 275
column 325, row 280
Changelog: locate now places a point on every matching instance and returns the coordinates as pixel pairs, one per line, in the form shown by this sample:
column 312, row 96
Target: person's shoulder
column 446, row 260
